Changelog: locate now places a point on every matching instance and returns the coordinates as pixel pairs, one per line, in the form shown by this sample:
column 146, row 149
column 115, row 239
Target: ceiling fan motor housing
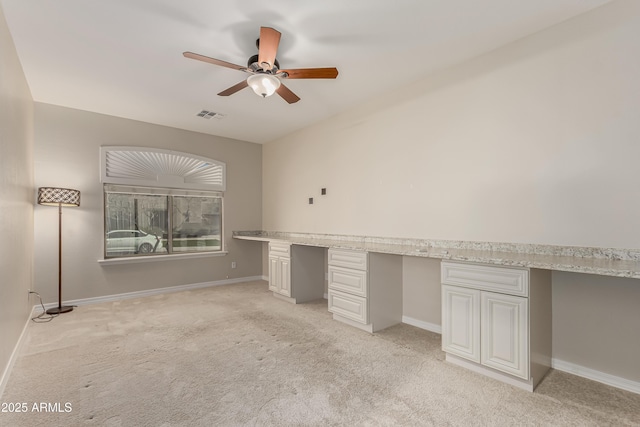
column 254, row 65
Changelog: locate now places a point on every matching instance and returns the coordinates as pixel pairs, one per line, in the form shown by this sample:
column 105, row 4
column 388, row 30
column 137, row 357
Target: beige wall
column 16, row 197
column 421, row 298
column 596, row 322
column 66, row 154
column 535, row 142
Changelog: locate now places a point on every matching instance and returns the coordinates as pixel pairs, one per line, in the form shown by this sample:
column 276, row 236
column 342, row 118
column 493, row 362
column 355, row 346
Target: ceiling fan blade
column 269, row 41
column 213, row 61
column 287, row 95
column 311, row 73
column 235, row 88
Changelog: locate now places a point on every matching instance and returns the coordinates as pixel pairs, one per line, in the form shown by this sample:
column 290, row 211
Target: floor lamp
column 51, row 196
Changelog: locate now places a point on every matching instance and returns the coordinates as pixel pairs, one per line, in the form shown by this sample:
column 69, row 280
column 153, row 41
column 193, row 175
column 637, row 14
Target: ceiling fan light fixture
column 263, row 84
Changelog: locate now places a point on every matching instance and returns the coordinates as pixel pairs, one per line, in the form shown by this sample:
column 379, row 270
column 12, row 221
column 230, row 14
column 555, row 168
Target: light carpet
column 235, row 355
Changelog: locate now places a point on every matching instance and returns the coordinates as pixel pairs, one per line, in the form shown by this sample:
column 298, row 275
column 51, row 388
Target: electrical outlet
column 233, row 264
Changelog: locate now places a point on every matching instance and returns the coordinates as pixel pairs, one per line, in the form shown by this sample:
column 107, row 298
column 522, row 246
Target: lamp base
column 60, row 310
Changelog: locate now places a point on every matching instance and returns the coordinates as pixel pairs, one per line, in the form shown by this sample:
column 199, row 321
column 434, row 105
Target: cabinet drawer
column 348, row 259
column 497, row 279
column 348, row 280
column 280, row 249
column 349, row 306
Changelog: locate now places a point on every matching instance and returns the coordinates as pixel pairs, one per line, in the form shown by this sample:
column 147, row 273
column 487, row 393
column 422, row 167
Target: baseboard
column 592, row 374
column 422, row 324
column 14, row 355
column 265, row 278
column 149, row 292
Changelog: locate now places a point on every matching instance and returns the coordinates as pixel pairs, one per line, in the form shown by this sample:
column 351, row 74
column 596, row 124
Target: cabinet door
column 505, row 341
column 274, row 282
column 285, row 277
column 461, row 322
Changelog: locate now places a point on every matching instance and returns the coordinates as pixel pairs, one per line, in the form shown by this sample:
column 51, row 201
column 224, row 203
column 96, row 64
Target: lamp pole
column 59, row 309
column 60, row 256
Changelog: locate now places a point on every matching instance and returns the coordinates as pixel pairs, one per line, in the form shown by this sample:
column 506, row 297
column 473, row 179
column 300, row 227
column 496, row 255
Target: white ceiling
column 124, row 57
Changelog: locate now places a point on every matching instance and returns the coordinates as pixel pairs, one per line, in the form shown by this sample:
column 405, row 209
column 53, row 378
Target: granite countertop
column 602, row 261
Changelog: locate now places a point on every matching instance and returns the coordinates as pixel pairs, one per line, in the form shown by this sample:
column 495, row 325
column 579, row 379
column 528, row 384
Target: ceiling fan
column 266, row 75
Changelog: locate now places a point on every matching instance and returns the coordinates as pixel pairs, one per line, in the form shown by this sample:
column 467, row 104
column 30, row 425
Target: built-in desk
column 496, row 297
column 602, row 261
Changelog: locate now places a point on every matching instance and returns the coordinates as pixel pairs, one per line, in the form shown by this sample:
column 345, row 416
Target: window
column 197, row 222
column 138, row 221
column 161, row 202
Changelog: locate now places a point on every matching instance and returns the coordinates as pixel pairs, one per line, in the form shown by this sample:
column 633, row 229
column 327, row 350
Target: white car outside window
column 132, row 242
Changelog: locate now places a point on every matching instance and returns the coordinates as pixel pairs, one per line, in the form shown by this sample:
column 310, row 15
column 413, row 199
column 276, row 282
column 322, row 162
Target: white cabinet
column 279, row 268
column 365, row 289
column 496, row 320
column 296, row 272
column 349, row 287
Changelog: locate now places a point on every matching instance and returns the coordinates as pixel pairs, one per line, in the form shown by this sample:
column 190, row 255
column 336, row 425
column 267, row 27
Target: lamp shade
column 263, row 84
column 52, row 196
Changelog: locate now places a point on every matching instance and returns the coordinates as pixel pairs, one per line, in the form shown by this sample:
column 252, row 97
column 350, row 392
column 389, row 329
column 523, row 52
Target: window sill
column 154, row 258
